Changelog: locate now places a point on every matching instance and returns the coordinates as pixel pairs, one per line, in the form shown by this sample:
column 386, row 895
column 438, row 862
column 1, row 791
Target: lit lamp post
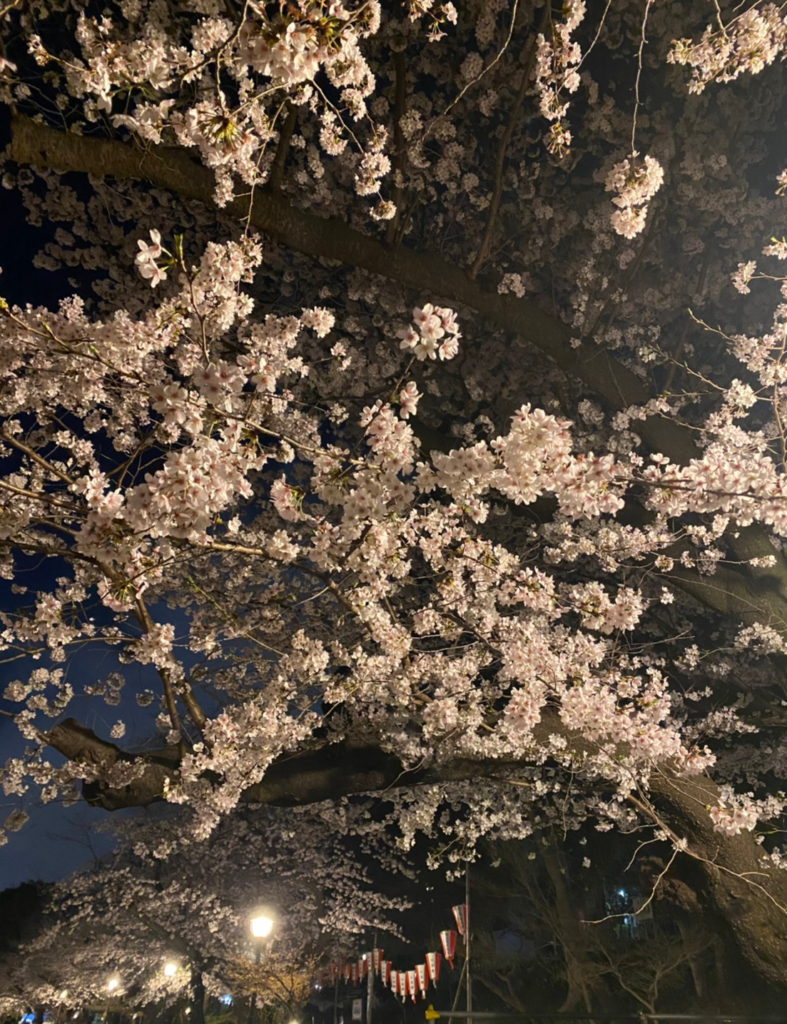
column 260, row 926
column 113, row 986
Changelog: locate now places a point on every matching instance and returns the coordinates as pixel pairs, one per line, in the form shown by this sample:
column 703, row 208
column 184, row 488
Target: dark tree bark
column 570, row 935
column 751, row 900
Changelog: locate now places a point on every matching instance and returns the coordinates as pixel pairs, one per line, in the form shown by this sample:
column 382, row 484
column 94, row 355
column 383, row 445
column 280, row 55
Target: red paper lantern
column 433, row 966
column 460, row 916
column 448, row 940
column 420, row 972
column 412, row 983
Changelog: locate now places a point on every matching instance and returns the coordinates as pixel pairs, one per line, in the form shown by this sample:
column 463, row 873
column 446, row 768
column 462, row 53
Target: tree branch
column 329, row 238
column 271, row 213
column 750, row 898
column 502, row 148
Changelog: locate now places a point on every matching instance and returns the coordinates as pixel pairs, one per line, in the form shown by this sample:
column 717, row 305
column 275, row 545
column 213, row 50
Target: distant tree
column 577, row 949
column 147, row 930
column 21, row 913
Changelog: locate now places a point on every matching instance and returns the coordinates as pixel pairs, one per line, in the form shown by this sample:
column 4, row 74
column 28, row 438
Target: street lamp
column 261, row 925
column 170, row 969
column 112, row 984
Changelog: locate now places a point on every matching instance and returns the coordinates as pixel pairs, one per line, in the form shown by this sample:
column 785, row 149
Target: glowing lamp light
column 112, row 984
column 261, row 926
column 170, row 969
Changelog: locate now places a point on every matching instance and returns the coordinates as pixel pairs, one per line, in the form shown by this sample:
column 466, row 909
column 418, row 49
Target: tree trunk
column 751, row 899
column 197, row 1002
column 569, row 934
column 697, row 975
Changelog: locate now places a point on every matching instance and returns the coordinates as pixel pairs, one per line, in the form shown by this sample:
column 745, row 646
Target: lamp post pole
column 370, row 982
column 468, row 978
column 113, row 986
column 261, row 926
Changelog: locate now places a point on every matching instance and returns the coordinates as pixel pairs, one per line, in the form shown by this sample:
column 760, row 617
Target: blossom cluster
column 741, row 812
column 433, row 334
column 557, row 63
column 752, row 40
column 463, row 583
column 635, row 183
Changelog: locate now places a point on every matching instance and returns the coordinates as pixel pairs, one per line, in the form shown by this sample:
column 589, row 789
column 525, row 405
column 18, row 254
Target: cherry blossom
column 375, row 427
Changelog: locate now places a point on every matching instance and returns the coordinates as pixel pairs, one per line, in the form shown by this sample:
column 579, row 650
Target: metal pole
column 369, row 992
column 336, row 998
column 468, row 980
column 370, row 981
column 458, row 993
column 253, row 997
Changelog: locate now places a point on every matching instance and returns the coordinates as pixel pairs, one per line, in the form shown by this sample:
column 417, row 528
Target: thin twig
column 502, row 151
column 642, row 44
column 478, row 78
column 283, row 148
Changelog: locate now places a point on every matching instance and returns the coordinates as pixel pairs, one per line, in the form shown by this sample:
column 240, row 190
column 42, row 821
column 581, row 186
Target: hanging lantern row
column 405, row 983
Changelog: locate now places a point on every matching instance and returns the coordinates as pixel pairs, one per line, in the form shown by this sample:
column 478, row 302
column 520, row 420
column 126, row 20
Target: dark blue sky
column 57, row 840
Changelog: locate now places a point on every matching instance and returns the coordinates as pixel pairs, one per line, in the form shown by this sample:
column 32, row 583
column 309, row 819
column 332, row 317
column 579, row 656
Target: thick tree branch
column 750, row 896
column 175, row 170
column 305, row 777
column 751, row 899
